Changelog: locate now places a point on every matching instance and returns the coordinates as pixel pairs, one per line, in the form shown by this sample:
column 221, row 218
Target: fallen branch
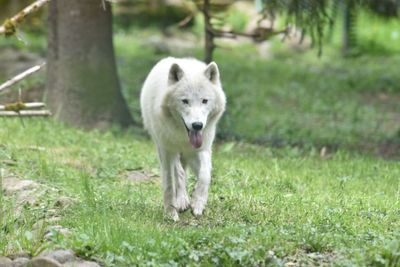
column 26, row 113
column 258, row 35
column 18, row 106
column 186, row 20
column 10, row 25
column 21, row 76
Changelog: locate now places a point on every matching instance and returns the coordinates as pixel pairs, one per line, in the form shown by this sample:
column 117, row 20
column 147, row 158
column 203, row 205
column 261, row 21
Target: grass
column 267, row 206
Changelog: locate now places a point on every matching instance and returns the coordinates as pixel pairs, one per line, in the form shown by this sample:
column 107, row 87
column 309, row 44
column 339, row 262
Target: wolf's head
column 195, row 99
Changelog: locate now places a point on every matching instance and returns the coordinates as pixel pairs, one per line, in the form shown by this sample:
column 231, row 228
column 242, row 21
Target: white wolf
column 181, row 103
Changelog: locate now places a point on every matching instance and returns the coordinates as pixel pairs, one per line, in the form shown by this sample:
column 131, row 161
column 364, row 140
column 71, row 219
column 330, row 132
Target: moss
column 9, row 27
column 17, row 106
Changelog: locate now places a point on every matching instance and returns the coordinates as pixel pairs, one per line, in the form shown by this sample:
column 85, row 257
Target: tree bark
column 209, row 45
column 349, row 26
column 82, row 82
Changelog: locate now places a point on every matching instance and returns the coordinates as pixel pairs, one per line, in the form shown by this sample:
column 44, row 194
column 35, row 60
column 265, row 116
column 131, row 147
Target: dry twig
column 21, row 76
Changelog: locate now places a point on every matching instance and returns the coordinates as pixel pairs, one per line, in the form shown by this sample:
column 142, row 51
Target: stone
column 63, row 202
column 20, row 262
column 62, row 256
column 27, row 197
column 13, row 184
column 5, row 262
column 81, row 264
column 46, row 222
column 19, row 255
column 43, row 262
column 56, row 229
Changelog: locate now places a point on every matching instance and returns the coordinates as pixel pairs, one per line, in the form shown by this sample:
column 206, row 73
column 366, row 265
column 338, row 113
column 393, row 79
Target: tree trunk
column 209, row 45
column 349, row 26
column 82, row 82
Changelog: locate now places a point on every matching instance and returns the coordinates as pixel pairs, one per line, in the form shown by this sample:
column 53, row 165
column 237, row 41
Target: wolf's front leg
column 167, row 162
column 201, row 166
column 182, row 198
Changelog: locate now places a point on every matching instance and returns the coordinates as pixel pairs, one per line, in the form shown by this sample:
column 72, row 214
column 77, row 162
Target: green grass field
column 267, row 206
column 306, row 169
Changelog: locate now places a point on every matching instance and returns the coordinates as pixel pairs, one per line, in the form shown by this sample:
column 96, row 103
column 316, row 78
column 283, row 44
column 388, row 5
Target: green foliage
column 150, row 13
column 237, row 20
column 315, row 17
column 312, row 16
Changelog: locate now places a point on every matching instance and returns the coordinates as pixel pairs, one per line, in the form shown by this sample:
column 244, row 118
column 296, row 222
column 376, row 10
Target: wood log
column 26, row 113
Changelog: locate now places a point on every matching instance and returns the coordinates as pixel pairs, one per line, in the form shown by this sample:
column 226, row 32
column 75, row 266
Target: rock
column 62, row 256
column 63, row 202
column 43, row 262
column 19, row 255
column 46, row 222
column 28, row 197
column 81, row 264
column 13, row 184
column 9, row 162
column 20, row 262
column 5, row 262
column 56, row 229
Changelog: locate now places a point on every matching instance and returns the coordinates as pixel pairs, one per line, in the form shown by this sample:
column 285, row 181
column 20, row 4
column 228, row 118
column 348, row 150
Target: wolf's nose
column 197, row 126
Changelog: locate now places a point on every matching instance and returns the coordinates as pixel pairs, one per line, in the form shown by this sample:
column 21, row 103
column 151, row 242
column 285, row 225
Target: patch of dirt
column 304, row 258
column 139, row 176
column 388, row 104
column 14, row 61
column 389, row 150
column 387, row 101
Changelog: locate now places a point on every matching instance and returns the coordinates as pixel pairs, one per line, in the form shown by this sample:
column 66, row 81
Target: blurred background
column 310, row 75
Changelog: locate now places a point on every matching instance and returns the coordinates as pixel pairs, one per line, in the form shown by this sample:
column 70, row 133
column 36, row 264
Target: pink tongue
column 196, row 139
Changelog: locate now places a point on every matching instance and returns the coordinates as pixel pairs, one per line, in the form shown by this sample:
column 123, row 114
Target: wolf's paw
column 182, row 203
column 197, row 208
column 171, row 214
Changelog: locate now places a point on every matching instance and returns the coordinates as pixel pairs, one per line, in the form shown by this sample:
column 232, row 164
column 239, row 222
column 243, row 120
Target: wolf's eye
column 204, row 101
column 185, row 101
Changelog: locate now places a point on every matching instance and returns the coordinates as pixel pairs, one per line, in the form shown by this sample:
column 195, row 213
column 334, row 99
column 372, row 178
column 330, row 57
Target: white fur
column 169, row 120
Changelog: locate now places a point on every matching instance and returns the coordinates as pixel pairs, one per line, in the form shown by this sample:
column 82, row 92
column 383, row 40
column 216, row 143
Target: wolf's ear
column 175, row 74
column 212, row 72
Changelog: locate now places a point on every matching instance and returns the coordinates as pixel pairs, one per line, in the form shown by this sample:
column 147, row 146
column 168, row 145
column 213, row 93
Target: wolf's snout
column 197, row 126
